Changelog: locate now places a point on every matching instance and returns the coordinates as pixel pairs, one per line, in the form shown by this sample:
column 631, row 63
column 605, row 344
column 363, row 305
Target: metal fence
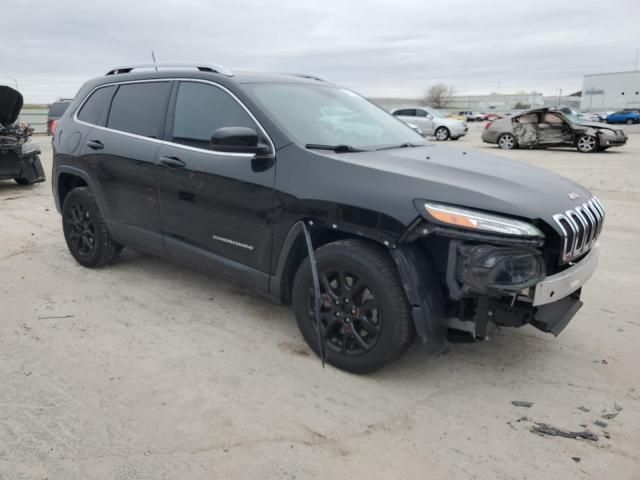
column 36, row 117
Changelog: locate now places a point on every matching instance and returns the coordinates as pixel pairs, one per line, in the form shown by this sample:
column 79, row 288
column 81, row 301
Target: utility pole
column 637, row 52
column 559, row 95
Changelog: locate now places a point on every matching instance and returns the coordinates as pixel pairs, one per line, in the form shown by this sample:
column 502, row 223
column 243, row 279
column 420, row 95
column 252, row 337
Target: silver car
column 548, row 127
column 432, row 122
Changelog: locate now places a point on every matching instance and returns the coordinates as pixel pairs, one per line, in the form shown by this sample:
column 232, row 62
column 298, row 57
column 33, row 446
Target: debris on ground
column 609, row 415
column 522, row 403
column 617, row 407
column 583, row 409
column 601, row 424
column 546, row 429
column 576, row 459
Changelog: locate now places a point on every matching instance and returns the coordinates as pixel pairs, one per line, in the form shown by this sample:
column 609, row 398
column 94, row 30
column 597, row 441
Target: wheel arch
column 67, row 178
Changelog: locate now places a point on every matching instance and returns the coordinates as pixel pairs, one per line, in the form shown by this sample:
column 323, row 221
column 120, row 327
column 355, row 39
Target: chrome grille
column 580, row 228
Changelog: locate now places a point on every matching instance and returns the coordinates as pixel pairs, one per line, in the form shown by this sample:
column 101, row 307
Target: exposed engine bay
column 19, row 154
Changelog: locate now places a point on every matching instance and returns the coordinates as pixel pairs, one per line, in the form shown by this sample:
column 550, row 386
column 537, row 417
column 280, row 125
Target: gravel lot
column 148, row 370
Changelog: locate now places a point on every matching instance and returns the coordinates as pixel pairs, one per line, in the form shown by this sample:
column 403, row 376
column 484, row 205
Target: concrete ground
column 148, row 370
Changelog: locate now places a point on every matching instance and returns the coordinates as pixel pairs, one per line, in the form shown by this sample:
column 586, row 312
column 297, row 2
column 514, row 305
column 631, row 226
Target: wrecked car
column 376, row 236
column 19, row 154
column 548, row 127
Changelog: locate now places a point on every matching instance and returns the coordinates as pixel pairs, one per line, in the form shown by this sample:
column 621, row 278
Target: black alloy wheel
column 349, row 312
column 85, row 230
column 365, row 319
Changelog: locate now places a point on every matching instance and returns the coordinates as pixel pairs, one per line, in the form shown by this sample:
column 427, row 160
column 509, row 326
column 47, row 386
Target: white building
column 610, row 91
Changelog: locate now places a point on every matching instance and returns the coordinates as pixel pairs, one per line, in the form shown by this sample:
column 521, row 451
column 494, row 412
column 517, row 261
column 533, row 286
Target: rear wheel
column 442, row 133
column 587, row 144
column 364, row 314
column 85, row 231
column 630, row 121
column 507, row 141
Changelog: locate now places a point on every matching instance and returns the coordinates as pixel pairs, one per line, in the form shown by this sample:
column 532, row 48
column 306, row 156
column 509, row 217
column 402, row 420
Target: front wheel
column 364, row 314
column 442, row 133
column 587, row 144
column 507, row 141
column 630, row 121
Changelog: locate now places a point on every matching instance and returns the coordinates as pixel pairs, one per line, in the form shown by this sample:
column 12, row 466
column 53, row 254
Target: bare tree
column 439, row 95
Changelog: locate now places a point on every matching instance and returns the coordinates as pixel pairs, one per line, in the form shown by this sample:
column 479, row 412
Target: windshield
column 437, row 113
column 326, row 115
column 572, row 118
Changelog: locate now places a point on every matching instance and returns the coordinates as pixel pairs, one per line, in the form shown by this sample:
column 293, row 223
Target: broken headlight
column 475, row 220
column 486, row 269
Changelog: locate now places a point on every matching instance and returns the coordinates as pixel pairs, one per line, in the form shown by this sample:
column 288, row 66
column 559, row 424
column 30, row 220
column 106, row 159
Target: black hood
column 389, row 180
column 10, row 105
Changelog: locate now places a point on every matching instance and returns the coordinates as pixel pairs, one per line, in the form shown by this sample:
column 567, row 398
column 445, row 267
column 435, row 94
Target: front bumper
column 612, row 139
column 561, row 285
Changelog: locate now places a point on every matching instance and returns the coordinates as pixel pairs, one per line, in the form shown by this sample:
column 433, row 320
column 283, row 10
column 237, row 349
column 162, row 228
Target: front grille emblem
column 573, row 195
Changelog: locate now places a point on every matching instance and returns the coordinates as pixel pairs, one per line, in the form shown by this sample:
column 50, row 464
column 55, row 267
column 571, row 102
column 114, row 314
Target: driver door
column 424, row 120
column 215, row 206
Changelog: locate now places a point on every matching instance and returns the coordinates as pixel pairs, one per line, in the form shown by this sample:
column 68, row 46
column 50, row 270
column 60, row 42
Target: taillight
column 487, row 125
column 54, row 126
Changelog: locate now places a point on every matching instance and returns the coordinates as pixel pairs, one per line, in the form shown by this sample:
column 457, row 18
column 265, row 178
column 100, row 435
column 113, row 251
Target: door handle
column 173, row 162
column 95, row 144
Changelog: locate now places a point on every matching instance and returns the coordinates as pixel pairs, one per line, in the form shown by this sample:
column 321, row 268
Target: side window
column 201, row 109
column 407, row 112
column 527, row 119
column 553, row 119
column 93, row 109
column 420, row 113
column 139, row 108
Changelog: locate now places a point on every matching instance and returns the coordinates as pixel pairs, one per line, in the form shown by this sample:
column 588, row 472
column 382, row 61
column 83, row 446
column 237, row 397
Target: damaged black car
column 19, row 154
column 549, row 127
column 313, row 196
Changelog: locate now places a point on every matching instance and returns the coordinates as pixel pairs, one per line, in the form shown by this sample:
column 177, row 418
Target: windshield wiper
column 342, row 148
column 402, row 145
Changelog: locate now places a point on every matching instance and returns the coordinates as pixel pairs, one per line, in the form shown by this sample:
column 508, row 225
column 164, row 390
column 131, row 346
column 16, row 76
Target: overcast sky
column 378, row 47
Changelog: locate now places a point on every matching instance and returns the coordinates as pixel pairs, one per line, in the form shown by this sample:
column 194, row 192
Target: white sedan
column 432, row 122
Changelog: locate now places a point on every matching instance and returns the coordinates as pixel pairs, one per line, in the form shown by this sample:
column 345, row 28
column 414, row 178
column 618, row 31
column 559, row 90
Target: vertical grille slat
column 580, row 227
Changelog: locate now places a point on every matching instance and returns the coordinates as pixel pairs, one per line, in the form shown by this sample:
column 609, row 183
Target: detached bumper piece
column 553, row 317
column 549, row 318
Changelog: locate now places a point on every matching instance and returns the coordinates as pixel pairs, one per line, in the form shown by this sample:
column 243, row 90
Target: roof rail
column 201, row 67
column 310, row 77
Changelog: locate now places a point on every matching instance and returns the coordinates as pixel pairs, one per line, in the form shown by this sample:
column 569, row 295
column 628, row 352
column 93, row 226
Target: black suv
column 311, row 194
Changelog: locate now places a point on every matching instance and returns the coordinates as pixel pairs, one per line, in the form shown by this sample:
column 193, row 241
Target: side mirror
column 238, row 140
column 429, row 116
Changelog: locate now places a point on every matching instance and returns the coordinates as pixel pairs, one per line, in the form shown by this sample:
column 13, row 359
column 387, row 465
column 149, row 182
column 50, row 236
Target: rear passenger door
column 121, row 152
column 216, row 207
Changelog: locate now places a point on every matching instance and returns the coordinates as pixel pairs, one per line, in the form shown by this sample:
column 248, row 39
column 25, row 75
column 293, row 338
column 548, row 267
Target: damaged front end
column 19, row 154
column 488, row 277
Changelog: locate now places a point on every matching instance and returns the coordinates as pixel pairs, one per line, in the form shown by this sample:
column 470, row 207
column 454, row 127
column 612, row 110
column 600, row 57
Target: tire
column 85, row 231
column 367, row 335
column 455, row 138
column 23, row 181
column 587, row 144
column 442, row 134
column 630, row 121
column 506, row 141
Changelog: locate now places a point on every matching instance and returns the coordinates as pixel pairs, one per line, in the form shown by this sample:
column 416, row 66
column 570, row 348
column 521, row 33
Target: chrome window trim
column 166, row 142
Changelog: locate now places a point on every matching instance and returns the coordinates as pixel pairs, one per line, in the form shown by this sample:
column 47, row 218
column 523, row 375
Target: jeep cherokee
column 266, row 178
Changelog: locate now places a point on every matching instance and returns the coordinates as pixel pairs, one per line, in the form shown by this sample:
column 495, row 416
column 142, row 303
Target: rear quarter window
column 140, row 108
column 94, row 108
